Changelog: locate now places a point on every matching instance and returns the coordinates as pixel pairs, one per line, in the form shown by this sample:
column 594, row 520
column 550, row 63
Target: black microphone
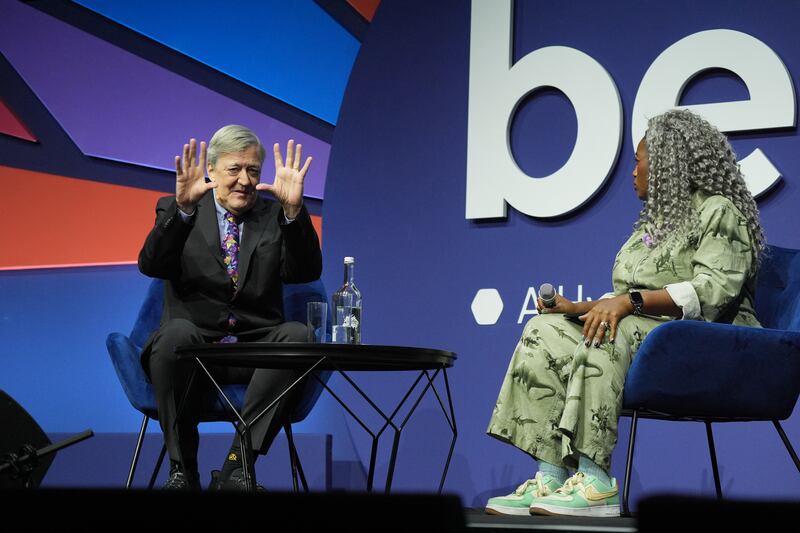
column 548, row 294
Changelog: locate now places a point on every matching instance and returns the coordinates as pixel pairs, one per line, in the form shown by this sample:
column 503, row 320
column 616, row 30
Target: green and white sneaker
column 581, row 495
column 519, row 502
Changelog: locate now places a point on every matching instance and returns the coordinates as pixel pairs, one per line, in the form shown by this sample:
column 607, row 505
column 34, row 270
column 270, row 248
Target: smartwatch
column 637, row 301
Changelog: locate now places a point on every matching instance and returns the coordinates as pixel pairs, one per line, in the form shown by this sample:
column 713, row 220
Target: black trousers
column 170, row 378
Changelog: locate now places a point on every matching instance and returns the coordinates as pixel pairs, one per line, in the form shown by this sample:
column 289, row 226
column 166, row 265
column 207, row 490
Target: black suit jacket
column 199, row 289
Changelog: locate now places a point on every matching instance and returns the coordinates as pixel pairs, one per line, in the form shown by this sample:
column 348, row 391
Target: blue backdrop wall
column 395, row 199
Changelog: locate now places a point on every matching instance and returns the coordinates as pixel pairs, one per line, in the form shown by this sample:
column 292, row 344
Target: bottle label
column 347, row 329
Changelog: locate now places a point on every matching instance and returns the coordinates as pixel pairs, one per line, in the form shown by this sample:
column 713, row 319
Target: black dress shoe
column 215, row 483
column 235, row 482
column 180, row 481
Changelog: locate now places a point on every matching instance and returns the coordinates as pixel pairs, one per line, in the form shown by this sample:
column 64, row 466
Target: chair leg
column 294, row 460
column 137, row 451
column 629, row 464
column 788, row 444
column 158, row 466
column 287, row 428
column 713, row 453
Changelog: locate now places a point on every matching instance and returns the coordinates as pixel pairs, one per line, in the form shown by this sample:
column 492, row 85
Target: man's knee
column 291, row 332
column 172, row 334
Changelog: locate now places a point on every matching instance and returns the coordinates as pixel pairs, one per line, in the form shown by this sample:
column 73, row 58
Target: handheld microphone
column 548, row 294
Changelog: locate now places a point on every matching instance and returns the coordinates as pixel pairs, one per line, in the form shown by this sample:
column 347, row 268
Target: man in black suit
column 224, row 252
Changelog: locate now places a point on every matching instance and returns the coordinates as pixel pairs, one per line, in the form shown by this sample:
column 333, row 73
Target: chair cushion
column 149, row 316
column 125, row 358
column 708, row 370
column 124, row 351
column 139, row 390
column 295, row 299
column 778, row 291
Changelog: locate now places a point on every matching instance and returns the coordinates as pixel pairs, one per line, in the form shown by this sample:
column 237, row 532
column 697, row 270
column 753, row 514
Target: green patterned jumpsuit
column 560, row 398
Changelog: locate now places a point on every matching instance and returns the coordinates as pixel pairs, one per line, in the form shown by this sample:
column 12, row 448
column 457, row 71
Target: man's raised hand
column 289, row 178
column 190, row 174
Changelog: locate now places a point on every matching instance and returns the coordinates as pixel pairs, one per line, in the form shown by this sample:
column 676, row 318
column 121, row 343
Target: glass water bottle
column 347, row 308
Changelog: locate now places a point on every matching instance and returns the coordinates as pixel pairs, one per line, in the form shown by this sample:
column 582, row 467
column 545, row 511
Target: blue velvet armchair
column 125, row 350
column 700, row 371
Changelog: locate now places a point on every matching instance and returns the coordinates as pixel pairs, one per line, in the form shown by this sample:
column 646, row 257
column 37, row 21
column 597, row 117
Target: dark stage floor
column 478, row 520
column 100, row 511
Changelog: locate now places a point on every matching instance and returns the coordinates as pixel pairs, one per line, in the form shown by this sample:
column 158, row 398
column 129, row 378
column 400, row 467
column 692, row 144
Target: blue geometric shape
column 147, row 110
column 293, row 50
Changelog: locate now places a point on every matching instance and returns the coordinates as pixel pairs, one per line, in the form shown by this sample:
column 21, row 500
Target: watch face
column 637, row 301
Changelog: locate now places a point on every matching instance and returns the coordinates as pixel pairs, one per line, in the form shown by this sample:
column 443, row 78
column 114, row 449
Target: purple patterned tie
column 230, row 256
column 230, row 247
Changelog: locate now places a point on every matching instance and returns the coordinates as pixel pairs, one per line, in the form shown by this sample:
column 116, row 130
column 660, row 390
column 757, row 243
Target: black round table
column 315, row 358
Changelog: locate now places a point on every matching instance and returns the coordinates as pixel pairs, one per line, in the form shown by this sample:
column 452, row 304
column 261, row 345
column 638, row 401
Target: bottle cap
column 349, row 260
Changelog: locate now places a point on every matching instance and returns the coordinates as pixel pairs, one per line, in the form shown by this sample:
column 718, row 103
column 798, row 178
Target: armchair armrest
column 125, row 358
column 716, row 371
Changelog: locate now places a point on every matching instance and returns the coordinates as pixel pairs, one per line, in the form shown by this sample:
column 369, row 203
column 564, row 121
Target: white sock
column 590, row 468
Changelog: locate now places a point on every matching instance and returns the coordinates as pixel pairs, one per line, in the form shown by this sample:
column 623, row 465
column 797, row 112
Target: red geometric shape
column 71, row 222
column 365, row 8
column 317, row 222
column 11, row 125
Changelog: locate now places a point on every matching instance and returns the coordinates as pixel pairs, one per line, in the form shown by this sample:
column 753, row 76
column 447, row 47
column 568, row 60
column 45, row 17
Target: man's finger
column 276, row 148
column 203, row 152
column 298, row 156
column 305, row 167
column 178, row 165
column 185, row 160
column 265, row 187
column 192, row 153
column 290, row 153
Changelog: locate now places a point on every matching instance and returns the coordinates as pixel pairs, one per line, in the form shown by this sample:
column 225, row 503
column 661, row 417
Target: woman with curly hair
column 693, row 255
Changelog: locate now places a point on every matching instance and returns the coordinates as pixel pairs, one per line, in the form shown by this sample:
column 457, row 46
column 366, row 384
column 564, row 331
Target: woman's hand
column 603, row 318
column 562, row 305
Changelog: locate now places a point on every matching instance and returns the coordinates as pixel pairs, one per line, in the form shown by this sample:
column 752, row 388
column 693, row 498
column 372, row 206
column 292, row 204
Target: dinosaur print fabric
column 560, row 397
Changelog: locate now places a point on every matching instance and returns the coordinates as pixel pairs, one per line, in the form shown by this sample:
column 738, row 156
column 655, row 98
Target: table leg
column 450, row 421
column 389, row 422
column 374, row 452
column 398, row 431
column 453, row 428
column 243, row 428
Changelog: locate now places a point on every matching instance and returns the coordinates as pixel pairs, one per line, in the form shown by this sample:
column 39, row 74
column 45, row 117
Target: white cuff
column 187, row 218
column 607, row 295
column 685, row 297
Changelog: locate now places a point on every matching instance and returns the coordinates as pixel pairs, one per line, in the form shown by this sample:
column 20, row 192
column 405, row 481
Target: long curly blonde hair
column 687, row 154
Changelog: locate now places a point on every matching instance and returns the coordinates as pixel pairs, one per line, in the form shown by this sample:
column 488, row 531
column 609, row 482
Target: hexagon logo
column 487, row 306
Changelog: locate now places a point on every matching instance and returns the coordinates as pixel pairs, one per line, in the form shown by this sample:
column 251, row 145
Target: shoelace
column 176, row 480
column 541, row 490
column 522, row 488
column 569, row 485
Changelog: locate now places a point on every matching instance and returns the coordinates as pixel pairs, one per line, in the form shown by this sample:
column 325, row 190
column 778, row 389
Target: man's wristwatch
column 637, row 301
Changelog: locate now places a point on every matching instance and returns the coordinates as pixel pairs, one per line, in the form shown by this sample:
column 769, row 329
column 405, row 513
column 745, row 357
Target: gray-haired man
column 224, row 252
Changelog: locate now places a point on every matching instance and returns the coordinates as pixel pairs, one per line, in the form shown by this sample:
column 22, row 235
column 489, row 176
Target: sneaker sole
column 554, row 510
column 503, row 510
